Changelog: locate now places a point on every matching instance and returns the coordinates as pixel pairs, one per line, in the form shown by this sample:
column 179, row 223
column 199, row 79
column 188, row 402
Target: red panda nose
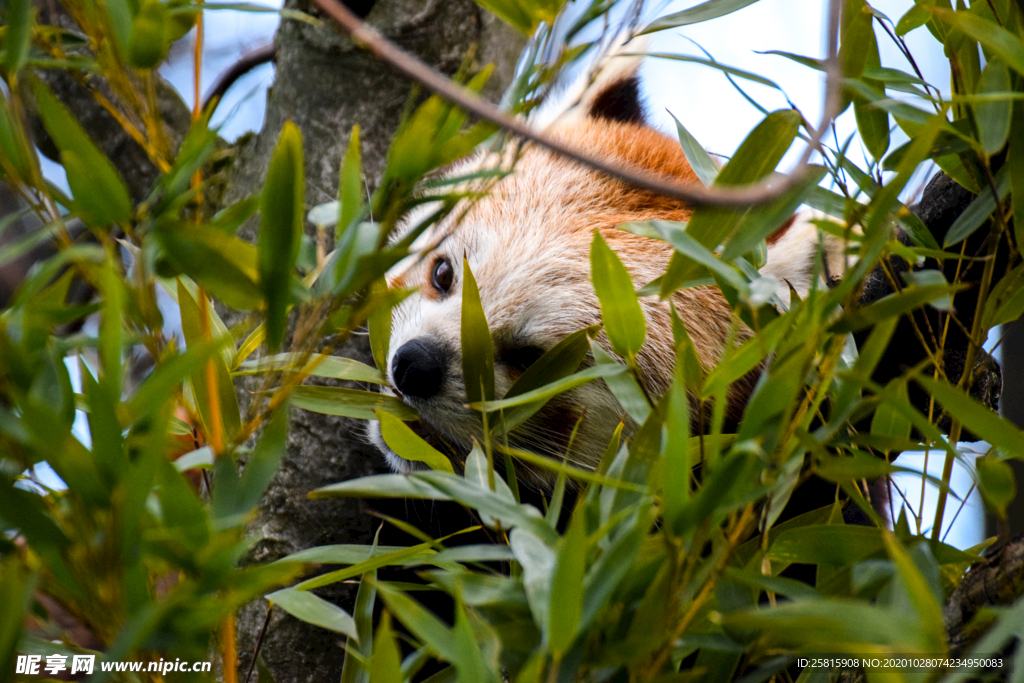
column 418, row 368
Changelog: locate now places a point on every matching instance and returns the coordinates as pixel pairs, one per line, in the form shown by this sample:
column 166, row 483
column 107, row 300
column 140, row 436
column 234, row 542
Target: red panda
column 528, row 244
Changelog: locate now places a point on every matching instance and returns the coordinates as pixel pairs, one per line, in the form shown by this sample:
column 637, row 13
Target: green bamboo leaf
column 496, row 505
column 1006, row 300
column 352, row 670
column 623, row 385
column 755, row 226
column 361, row 405
column 417, row 554
column 407, row 444
column 997, row 483
column 758, row 155
column 705, row 11
column 181, row 511
column 795, row 590
column 379, row 325
column 856, row 31
column 382, row 486
column 700, row 161
column 889, row 420
column 853, row 467
column 915, row 17
column 991, row 35
column 386, row 660
column 121, row 13
column 350, row 183
column 543, row 393
column 477, row 348
column 342, row 553
column 892, row 305
column 26, row 512
column 978, row 211
column 99, row 193
column 538, row 562
column 922, row 597
column 511, row 12
column 230, row 218
column 315, row 610
column 317, row 365
column 222, row 264
column 676, row 465
column 148, row 44
column 906, row 113
column 16, row 155
column 976, row 417
column 731, row 71
column 830, row 544
column 567, row 583
column 281, row 208
column 993, row 116
column 192, row 328
column 872, row 122
column 623, row 319
column 195, row 150
column 236, row 495
column 808, row 626
column 809, row 62
column 161, row 385
column 559, row 361
column 423, row 624
column 17, row 34
column 676, row 235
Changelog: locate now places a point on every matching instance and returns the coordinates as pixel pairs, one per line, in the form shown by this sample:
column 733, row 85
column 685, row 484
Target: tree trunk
column 325, row 84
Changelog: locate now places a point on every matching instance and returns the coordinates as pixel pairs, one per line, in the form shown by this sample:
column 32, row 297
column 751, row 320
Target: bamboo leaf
column 567, row 583
column 99, row 193
column 17, row 34
column 223, row 391
column 281, row 208
column 993, row 115
column 350, row 184
column 361, row 405
column 222, row 264
column 317, row 365
column 379, row 325
column 477, row 347
column 997, row 483
column 705, row 11
column 407, row 444
column 147, row 43
column 386, row 660
column 621, row 314
column 994, row 37
column 313, row 609
column 700, row 161
column 976, row 417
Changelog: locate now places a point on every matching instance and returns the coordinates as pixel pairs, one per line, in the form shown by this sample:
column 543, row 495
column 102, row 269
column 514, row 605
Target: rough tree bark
column 325, row 84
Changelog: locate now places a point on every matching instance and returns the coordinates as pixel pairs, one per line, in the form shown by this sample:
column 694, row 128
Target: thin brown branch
column 696, row 195
column 249, row 61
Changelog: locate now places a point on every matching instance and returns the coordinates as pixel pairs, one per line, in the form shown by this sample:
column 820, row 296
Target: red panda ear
column 620, row 101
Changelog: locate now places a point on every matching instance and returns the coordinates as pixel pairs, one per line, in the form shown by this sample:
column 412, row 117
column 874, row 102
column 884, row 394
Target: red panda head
column 528, row 245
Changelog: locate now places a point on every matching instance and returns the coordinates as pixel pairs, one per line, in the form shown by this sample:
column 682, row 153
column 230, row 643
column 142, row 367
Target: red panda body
column 528, row 244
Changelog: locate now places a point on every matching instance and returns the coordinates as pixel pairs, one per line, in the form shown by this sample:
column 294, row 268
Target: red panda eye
column 442, row 276
column 521, row 357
